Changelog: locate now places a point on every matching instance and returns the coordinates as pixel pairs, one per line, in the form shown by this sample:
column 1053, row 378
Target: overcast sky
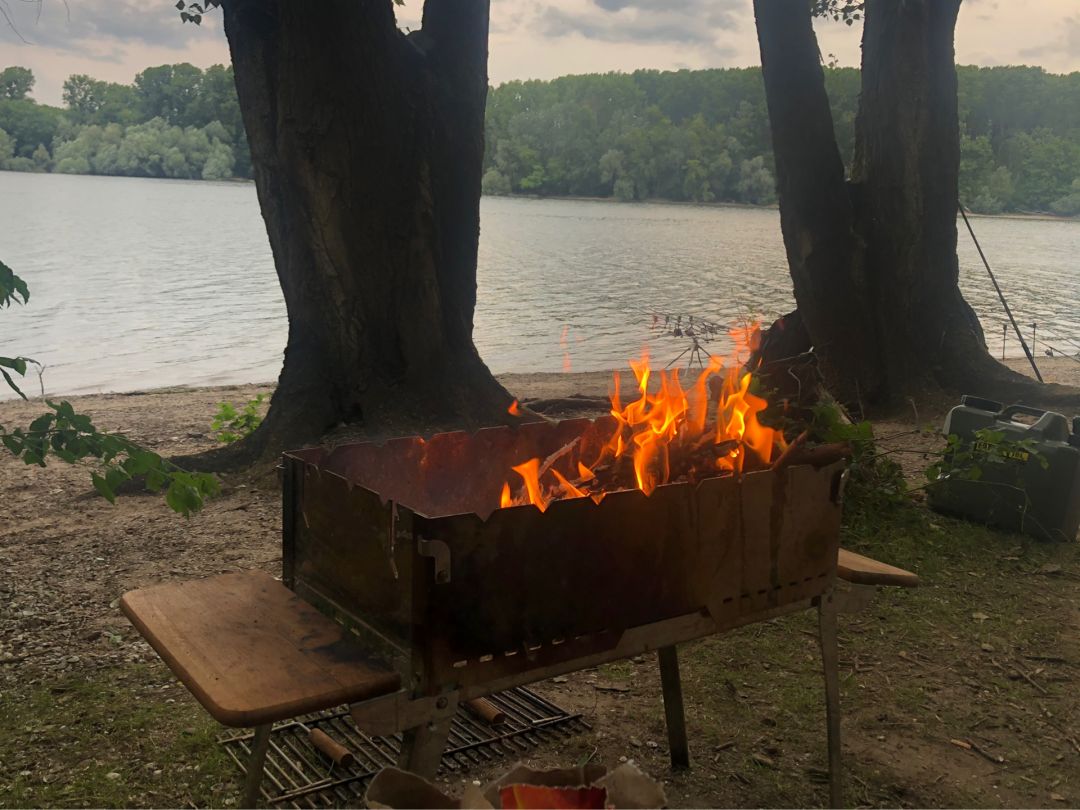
column 115, row 39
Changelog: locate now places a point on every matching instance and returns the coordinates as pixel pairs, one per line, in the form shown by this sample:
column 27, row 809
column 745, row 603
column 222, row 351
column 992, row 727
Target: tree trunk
column 824, row 253
column 367, row 147
column 906, row 165
column 873, row 260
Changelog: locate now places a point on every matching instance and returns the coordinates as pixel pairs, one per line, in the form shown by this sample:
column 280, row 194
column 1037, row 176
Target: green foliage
column 193, row 12
column 173, row 121
column 30, row 124
column 875, row 482
column 13, row 290
column 704, row 135
column 699, row 135
column 71, row 437
column 495, row 183
column 151, row 149
column 964, row 460
column 16, row 82
column 91, row 101
column 847, row 11
column 1069, row 205
column 7, row 148
column 230, row 424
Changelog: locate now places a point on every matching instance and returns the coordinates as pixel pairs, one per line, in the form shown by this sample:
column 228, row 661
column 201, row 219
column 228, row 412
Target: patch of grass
column 919, row 668
column 110, row 738
column 618, row 671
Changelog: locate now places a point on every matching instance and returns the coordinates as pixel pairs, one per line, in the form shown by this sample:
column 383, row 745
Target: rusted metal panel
column 353, row 549
column 407, row 537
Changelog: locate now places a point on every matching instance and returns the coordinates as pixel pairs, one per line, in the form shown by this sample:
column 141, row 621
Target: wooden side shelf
column 251, row 651
column 860, row 570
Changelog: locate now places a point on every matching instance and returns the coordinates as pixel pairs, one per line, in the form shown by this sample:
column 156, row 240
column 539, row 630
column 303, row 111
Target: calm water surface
column 140, row 283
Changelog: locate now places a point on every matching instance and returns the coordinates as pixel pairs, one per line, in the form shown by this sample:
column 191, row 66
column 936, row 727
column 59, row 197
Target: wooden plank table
column 253, row 653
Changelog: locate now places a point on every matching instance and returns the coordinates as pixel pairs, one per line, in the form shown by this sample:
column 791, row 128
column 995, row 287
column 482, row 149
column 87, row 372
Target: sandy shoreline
column 524, row 385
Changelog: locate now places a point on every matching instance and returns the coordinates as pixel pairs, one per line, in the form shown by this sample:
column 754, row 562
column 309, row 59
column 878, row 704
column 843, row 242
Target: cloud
column 1067, row 43
column 694, row 23
column 102, row 29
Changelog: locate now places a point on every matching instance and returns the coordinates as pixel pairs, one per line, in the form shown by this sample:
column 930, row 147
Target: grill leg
column 673, row 707
column 422, row 747
column 259, row 743
column 830, row 656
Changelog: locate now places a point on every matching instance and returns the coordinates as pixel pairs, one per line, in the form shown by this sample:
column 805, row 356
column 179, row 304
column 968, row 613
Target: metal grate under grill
column 297, row 775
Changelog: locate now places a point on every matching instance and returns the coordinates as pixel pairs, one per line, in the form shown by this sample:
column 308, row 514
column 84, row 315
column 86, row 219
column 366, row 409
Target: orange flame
column 514, row 409
column 529, row 471
column 665, row 430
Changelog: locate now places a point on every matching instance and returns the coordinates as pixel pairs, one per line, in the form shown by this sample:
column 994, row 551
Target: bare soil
column 959, row 693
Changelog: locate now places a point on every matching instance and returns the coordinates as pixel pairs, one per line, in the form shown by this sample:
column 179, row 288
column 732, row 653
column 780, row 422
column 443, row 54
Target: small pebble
column 112, row 775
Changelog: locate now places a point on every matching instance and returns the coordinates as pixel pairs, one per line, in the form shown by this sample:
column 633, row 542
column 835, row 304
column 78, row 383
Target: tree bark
column 824, row 253
column 907, row 163
column 367, row 147
column 873, row 259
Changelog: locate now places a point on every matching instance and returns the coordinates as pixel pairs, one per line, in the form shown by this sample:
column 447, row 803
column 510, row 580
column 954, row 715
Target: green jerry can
column 1037, row 493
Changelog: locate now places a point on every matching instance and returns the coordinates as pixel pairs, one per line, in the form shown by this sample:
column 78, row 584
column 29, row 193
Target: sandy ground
column 66, row 556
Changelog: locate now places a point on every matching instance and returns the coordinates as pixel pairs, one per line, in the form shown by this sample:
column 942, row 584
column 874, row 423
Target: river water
column 139, row 283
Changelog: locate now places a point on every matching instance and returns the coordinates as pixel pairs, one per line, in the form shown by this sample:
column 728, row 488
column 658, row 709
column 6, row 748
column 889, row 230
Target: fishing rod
column 1001, row 295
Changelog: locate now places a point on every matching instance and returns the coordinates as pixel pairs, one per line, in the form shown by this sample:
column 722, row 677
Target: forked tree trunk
column 367, row 147
column 873, row 259
column 824, row 253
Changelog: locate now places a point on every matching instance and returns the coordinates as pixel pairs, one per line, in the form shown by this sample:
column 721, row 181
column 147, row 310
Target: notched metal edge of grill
column 341, row 464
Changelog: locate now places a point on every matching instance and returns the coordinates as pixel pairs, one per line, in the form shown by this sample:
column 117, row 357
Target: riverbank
column 1020, row 215
column 93, row 718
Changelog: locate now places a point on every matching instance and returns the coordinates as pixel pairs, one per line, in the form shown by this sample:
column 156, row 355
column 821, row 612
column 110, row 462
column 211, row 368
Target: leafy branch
column 963, row 460
column 12, row 288
column 846, row 11
column 71, row 437
column 231, row 425
column 877, row 482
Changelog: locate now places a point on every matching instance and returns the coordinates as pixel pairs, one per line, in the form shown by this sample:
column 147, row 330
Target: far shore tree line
column 698, row 136
column 176, row 121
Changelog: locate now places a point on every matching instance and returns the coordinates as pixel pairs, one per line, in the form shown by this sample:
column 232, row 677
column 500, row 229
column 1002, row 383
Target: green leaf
column 178, row 496
column 103, row 488
column 11, row 384
column 155, row 480
column 12, row 288
column 42, row 423
column 83, row 423
column 115, row 476
column 18, row 364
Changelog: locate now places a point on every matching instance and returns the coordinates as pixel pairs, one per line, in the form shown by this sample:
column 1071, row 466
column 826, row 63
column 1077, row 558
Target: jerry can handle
column 1006, row 415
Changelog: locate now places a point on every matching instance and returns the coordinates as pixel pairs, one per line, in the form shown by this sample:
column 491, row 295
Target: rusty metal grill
column 297, row 775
